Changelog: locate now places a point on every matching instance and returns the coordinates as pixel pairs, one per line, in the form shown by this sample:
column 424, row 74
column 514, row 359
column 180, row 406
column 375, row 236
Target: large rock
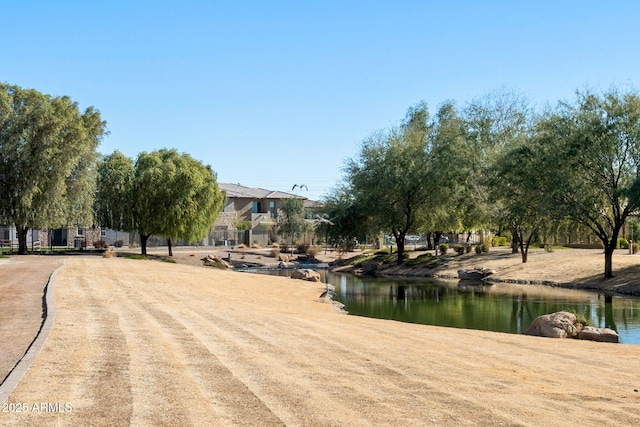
column 306, row 274
column 555, row 325
column 598, row 334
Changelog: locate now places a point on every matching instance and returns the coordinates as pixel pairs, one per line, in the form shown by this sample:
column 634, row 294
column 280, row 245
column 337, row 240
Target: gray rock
column 598, row 334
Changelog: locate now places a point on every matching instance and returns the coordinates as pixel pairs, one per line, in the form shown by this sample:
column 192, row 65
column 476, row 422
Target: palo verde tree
column 390, row 178
column 345, row 220
column 47, row 161
column 592, row 169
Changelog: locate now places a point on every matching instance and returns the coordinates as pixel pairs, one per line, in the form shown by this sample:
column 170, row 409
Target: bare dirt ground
column 151, row 343
column 22, row 280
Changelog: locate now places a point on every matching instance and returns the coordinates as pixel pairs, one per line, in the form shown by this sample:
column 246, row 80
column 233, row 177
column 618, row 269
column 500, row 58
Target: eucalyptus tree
column 47, row 160
column 391, row 176
column 592, row 170
column 175, row 196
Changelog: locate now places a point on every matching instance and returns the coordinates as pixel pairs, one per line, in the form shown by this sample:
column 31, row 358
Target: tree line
column 496, row 164
column 52, row 176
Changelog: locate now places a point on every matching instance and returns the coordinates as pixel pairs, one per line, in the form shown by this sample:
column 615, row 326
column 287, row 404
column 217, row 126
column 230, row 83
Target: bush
column 498, row 241
column 255, row 245
column 622, row 243
column 467, row 249
column 119, row 243
column 99, row 244
column 312, row 251
column 478, row 249
column 459, row 249
column 242, row 246
column 485, row 247
column 302, row 248
column 275, row 245
column 275, row 253
column 635, row 247
column 444, row 248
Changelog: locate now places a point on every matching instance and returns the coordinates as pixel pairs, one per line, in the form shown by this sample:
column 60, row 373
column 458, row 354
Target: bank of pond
column 498, row 307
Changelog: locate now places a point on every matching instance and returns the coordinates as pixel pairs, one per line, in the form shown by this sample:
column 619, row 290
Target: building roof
column 240, row 191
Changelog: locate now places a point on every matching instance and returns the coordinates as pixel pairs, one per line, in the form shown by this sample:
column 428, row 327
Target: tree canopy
column 165, row 193
column 47, row 160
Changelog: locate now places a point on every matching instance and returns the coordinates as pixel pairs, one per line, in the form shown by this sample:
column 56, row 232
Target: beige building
column 249, row 215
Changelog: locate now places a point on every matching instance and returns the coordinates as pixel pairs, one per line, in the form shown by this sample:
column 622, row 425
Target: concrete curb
column 49, row 314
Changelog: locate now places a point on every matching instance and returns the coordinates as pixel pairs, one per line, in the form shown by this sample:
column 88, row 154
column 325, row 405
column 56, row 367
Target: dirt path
column 150, row 343
column 22, row 280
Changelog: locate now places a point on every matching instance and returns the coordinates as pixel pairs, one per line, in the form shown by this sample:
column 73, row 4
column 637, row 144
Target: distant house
column 249, row 215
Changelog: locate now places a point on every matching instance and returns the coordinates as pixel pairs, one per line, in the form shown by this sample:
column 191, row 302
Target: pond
column 498, row 307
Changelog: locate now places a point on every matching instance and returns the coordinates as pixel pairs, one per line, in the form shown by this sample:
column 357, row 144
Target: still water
column 498, row 307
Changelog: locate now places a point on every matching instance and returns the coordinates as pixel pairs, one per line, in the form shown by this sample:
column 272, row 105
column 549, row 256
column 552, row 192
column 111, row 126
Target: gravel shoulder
column 152, row 343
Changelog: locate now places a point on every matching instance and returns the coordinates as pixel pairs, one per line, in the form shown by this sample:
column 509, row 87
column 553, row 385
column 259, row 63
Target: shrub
column 275, row 253
column 478, row 249
column 135, row 245
column 312, row 251
column 255, row 245
column 242, row 246
column 302, row 248
column 622, row 243
column 467, row 248
column 635, row 247
column 459, row 249
column 109, row 253
column 275, row 245
column 443, row 248
column 548, row 248
column 498, row 241
column 485, row 247
column 119, row 243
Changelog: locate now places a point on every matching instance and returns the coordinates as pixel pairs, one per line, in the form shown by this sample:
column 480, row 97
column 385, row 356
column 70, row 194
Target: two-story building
column 249, row 215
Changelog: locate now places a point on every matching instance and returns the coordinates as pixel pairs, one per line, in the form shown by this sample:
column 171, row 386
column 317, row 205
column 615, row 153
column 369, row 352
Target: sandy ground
column 22, row 281
column 152, row 343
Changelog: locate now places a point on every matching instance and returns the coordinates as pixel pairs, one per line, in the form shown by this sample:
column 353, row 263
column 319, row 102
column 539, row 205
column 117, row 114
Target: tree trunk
column 514, row 241
column 608, row 260
column 170, row 247
column 400, row 244
column 143, row 243
column 22, row 239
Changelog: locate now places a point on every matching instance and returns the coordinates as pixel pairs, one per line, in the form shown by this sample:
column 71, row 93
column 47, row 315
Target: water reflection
column 498, row 307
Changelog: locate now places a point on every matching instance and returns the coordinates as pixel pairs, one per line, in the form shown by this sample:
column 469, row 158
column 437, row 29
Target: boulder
column 306, row 274
column 555, row 325
column 598, row 334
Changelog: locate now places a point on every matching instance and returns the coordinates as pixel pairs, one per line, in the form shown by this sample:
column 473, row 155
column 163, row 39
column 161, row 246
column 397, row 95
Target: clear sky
column 277, row 93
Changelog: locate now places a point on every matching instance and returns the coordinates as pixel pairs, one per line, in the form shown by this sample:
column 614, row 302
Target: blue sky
column 277, row 93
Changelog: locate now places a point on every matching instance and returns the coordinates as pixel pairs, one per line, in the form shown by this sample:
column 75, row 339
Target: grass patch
column 426, row 261
column 215, row 264
column 133, row 256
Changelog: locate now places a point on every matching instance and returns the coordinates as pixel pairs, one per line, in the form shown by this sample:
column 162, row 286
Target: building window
column 272, row 209
column 256, row 207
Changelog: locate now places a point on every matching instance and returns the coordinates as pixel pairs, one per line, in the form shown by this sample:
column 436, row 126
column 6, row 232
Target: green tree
column 517, row 190
column 291, row 223
column 346, row 219
column 174, row 196
column 114, row 204
column 592, row 168
column 391, row 177
column 495, row 123
column 47, row 161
